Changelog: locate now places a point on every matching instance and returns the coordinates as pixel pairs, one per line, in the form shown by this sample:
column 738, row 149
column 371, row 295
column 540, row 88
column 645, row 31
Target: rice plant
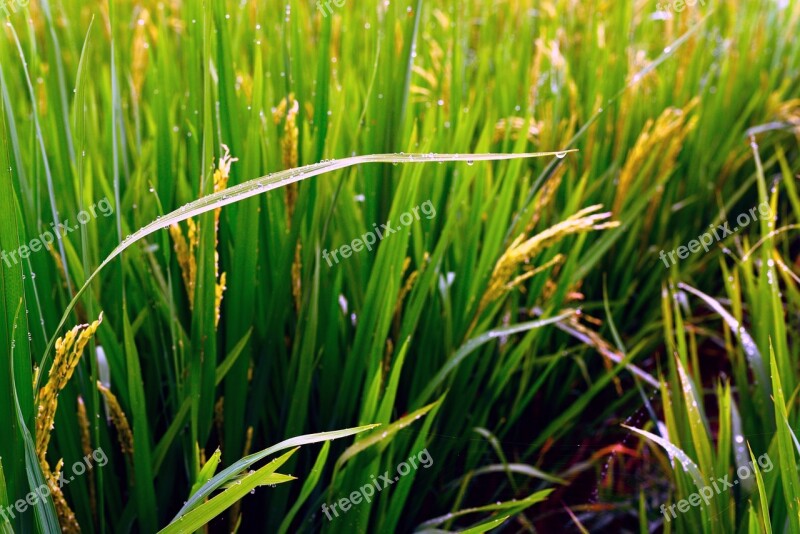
column 347, row 266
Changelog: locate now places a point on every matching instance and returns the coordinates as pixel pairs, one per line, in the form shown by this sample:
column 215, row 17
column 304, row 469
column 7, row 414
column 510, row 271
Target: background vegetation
column 512, row 335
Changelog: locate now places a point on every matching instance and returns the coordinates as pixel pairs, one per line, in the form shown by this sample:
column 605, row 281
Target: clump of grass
column 226, row 333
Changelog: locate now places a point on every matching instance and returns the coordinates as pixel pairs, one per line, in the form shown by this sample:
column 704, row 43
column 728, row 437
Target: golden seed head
column 69, row 349
column 218, row 291
column 655, row 153
column 517, row 127
column 522, row 250
column 184, row 251
column 186, row 247
column 118, row 419
column 289, row 146
column 297, row 274
column 140, row 55
column 83, row 422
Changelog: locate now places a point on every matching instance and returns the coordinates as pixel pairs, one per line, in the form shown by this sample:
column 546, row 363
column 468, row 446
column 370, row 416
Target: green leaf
column 513, row 507
column 763, row 515
column 675, row 453
column 239, row 466
column 260, row 186
column 207, row 471
column 748, row 345
column 202, row 514
column 384, row 433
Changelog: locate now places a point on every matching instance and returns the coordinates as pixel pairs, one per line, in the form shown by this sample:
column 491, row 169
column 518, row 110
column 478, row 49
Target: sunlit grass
column 510, row 335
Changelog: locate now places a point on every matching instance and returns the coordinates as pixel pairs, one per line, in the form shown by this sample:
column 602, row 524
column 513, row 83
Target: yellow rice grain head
column 86, row 447
column 516, row 127
column 545, row 196
column 221, row 176
column 785, row 110
column 291, row 135
column 186, row 246
column 522, row 250
column 83, row 423
column 287, row 110
column 69, row 349
column 432, row 84
column 297, row 270
column 662, row 139
column 140, row 55
column 407, row 287
column 185, row 252
column 68, row 353
column 118, row 419
column 66, row 517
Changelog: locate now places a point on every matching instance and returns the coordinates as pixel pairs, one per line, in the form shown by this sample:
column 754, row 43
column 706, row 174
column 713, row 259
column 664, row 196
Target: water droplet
column 561, row 155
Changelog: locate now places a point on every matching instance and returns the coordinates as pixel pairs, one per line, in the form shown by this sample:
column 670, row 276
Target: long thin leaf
column 259, row 186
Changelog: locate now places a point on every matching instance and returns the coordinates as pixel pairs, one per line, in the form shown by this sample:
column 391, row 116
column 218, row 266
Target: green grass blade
column 234, row 470
column 207, row 511
column 259, row 186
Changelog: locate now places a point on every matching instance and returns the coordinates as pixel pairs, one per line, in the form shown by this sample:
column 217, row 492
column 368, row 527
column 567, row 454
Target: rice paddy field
column 399, row 266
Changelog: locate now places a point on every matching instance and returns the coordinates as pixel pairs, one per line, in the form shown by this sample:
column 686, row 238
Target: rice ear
column 68, row 354
column 522, row 250
column 118, row 419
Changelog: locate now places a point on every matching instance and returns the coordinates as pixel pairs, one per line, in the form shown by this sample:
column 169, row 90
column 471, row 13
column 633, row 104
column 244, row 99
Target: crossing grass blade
column 262, row 185
column 384, row 433
column 672, row 138
column 202, row 514
column 511, row 508
column 238, row 467
column 682, row 458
